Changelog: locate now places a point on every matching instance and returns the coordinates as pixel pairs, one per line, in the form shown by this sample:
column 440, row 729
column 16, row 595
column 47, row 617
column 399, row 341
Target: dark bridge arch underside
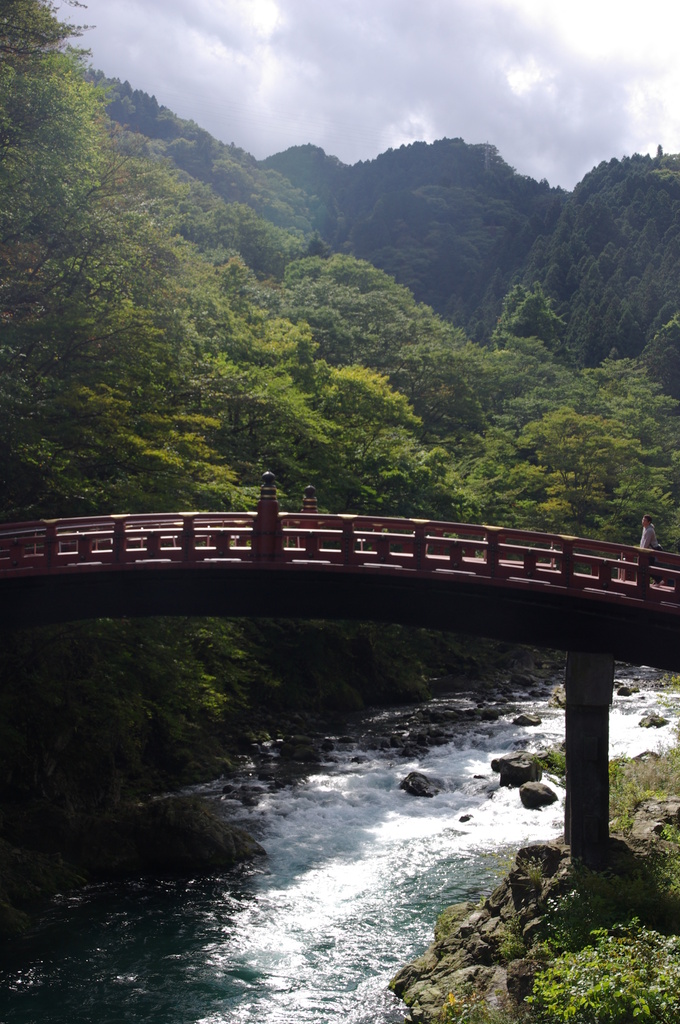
column 521, row 613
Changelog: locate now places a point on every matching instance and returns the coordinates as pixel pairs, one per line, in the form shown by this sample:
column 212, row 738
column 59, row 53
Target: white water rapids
column 356, row 873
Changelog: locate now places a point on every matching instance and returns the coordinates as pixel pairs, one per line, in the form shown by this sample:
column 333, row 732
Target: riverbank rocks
column 486, row 948
column 517, row 768
column 27, row 876
column 170, row 835
column 471, row 940
column 536, row 794
column 418, row 784
column 176, row 835
column 651, row 818
column 301, row 749
column 558, row 698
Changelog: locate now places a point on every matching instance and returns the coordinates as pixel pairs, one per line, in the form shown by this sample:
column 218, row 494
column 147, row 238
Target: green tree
column 528, row 314
column 661, row 357
column 581, row 458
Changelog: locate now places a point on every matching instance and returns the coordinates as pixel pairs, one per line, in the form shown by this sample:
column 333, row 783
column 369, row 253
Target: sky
column 555, row 87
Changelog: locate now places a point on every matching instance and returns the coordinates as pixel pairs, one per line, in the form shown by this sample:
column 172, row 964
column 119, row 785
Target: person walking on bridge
column 648, row 538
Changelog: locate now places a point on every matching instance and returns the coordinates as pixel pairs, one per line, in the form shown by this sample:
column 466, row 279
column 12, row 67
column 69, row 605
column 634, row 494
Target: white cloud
column 556, row 88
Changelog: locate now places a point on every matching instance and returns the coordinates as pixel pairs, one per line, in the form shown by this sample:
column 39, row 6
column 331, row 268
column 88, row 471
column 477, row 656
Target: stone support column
column 589, row 687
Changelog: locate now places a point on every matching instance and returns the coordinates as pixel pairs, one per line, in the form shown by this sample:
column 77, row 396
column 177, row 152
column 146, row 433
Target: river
column 355, row 874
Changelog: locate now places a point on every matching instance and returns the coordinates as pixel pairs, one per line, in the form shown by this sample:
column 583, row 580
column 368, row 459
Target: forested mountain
column 458, row 227
column 612, row 263
column 452, row 222
column 175, row 318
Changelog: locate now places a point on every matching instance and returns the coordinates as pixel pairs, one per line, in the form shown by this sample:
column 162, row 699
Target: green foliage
column 231, row 174
column 611, row 261
column 554, row 762
column 647, row 890
column 458, row 227
column 512, row 946
column 572, row 451
column 473, row 1009
column 89, row 707
column 632, row 781
column 661, row 357
column 580, row 458
column 449, row 221
column 627, row 973
column 528, row 314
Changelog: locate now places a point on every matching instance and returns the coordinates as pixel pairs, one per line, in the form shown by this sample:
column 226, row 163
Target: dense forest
column 426, row 334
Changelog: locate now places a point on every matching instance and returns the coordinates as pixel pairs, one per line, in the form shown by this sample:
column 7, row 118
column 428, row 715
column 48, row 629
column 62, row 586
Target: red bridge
column 561, row 592
column 600, row 601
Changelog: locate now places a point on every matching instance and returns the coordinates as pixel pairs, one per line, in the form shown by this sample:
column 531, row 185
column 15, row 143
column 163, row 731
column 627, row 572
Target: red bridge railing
column 309, row 538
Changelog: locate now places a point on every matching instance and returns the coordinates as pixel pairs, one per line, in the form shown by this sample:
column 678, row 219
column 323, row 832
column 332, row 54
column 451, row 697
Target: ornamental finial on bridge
column 309, row 501
column 267, row 541
column 268, row 486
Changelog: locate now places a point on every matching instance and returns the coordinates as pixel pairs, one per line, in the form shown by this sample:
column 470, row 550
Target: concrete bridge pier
column 589, row 689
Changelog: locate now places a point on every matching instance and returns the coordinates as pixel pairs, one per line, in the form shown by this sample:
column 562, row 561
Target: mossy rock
column 12, row 921
column 450, row 919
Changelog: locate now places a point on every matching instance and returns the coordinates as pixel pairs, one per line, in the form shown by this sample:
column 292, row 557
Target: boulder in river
column 418, row 784
column 653, row 721
column 527, row 719
column 536, row 794
column 517, row 768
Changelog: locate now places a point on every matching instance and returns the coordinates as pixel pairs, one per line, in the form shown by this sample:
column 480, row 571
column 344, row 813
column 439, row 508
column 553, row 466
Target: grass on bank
column 611, row 945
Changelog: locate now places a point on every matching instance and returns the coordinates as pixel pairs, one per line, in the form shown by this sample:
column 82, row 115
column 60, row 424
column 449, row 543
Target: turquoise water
column 356, row 873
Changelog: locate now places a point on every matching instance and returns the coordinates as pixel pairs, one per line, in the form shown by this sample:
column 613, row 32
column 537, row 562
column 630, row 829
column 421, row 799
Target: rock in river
column 418, row 784
column 517, row 768
column 536, row 794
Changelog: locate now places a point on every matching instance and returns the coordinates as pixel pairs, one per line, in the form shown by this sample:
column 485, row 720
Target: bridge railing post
column 492, row 549
column 18, row 553
column 456, row 553
column 643, row 574
column 267, row 544
column 567, row 561
column 188, row 538
column 85, row 548
column 419, row 544
column 530, row 559
column 152, row 544
column 382, row 548
column 606, row 571
column 51, row 543
column 348, row 539
column 119, row 545
column 308, row 542
column 309, row 502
